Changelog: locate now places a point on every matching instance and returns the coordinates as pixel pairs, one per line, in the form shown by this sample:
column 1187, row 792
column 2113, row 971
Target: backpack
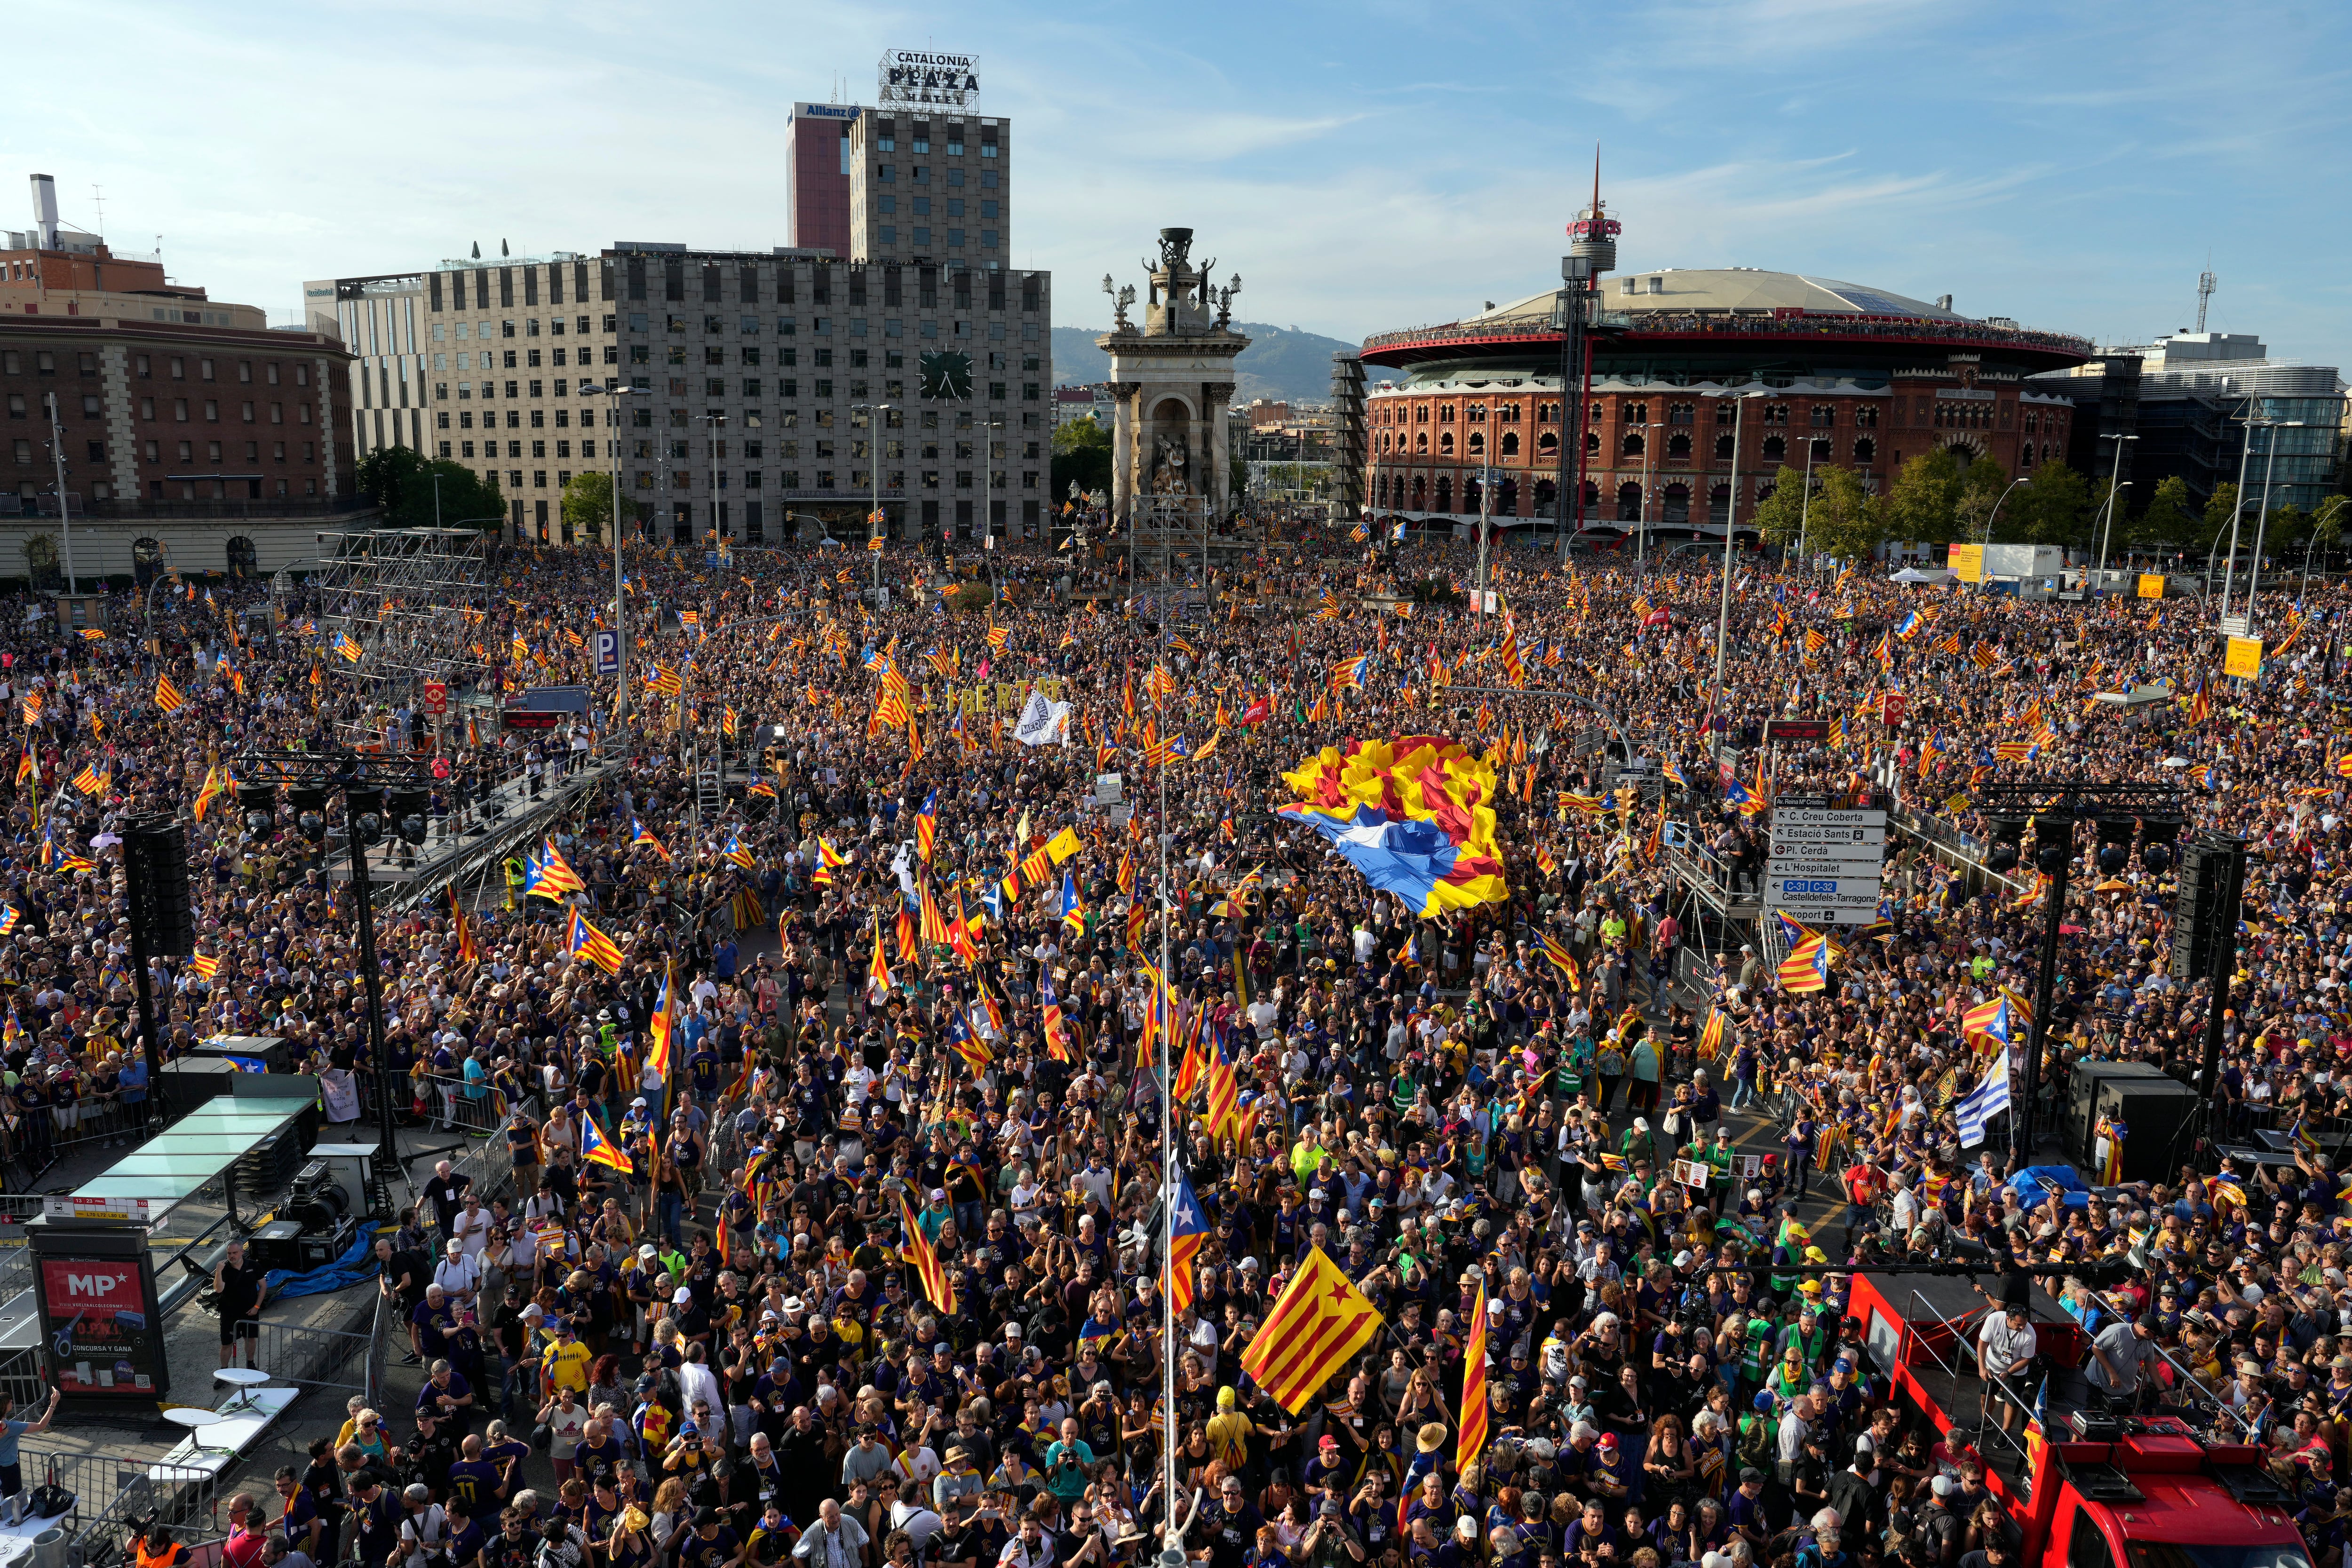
column 1758, row 1435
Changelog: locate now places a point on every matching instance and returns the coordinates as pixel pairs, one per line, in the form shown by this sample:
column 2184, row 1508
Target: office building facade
column 931, row 187
column 774, row 393
column 817, row 153
column 380, row 321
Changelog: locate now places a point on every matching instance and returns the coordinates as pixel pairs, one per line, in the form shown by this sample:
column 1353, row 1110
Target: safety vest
column 167, row 1557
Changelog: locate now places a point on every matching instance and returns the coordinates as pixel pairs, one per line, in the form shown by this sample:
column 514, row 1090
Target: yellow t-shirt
column 567, row 1365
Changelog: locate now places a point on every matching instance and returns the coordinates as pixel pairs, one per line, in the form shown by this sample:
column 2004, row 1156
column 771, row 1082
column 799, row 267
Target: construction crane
column 2205, row 281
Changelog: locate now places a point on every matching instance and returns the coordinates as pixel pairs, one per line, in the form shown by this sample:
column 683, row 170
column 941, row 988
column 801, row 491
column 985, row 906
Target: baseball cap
column 681, row 1296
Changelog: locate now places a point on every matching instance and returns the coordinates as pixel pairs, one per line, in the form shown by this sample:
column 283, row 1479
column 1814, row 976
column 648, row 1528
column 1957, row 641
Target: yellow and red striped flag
column 918, row 1250
column 1473, row 1388
column 466, row 950
column 1317, row 1327
column 168, row 696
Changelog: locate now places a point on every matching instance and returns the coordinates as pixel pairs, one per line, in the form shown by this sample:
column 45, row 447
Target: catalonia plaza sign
column 921, row 77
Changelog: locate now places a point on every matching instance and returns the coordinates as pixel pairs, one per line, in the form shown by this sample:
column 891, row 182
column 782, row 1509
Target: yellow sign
column 2244, row 659
column 2151, row 585
column 1967, row 561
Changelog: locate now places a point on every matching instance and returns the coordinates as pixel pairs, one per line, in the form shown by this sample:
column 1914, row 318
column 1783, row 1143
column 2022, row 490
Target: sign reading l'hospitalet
column 923, row 76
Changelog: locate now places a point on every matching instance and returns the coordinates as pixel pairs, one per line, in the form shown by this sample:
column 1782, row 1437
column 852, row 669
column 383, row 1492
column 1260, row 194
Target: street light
column 616, row 391
column 2269, row 461
column 2114, row 490
column 1641, row 508
column 1730, row 523
column 1984, row 578
column 711, row 421
column 65, row 501
column 873, row 467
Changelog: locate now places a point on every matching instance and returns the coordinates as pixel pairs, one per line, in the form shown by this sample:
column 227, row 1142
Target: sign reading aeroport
column 915, row 75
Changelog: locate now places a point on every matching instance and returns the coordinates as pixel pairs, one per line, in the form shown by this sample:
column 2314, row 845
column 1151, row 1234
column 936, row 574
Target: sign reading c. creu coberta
column 924, row 76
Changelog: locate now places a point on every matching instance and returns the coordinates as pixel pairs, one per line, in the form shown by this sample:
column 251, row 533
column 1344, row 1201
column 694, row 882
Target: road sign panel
column 608, row 652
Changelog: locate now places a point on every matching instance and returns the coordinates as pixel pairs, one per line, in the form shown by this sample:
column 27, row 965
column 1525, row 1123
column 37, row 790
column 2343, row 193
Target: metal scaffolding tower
column 408, row 597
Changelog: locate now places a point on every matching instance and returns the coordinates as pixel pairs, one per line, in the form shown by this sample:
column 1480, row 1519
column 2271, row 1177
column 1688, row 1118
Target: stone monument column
column 1214, row 396
column 1122, row 446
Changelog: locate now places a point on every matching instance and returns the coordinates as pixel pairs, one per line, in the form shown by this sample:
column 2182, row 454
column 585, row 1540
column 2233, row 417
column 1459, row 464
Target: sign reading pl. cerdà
column 924, row 76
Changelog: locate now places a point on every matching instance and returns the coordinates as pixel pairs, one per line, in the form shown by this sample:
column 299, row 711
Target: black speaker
column 2151, row 1105
column 155, row 855
column 2207, row 909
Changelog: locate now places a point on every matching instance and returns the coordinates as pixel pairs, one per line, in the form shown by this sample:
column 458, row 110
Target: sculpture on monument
column 1169, row 463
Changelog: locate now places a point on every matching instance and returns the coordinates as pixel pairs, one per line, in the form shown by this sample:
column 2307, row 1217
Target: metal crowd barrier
column 109, row 1492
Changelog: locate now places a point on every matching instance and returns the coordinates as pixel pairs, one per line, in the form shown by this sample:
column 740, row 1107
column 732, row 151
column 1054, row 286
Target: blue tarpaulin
column 356, row 1264
column 2028, row 1186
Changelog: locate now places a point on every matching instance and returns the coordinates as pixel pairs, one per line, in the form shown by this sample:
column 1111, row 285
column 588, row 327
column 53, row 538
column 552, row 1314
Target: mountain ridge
column 1281, row 363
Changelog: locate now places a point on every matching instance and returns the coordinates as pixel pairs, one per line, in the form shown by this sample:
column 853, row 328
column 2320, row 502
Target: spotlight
column 408, row 809
column 313, row 826
column 2053, row 844
column 2001, row 858
column 2155, row 857
column 368, row 829
column 2049, row 858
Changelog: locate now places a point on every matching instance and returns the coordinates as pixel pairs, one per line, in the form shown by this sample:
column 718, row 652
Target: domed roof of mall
column 1727, row 290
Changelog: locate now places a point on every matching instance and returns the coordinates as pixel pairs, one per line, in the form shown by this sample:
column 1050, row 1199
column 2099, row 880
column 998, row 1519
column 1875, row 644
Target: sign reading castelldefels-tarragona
column 922, row 76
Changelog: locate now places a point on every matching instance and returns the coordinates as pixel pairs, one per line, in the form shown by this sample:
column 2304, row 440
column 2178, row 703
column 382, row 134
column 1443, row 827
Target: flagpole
column 1172, row 1539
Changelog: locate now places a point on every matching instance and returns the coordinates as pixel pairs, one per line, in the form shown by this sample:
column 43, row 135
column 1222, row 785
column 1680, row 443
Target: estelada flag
column 1318, row 1325
column 1710, row 1039
column 597, row 1151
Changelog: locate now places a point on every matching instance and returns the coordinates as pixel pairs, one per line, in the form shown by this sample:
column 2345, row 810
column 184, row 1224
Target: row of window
column 921, row 206
column 442, row 331
column 524, row 359
column 1774, row 446
column 677, row 451
column 920, row 234
column 921, row 174
column 27, row 452
column 751, row 288
column 45, row 362
column 1821, row 415
column 754, row 478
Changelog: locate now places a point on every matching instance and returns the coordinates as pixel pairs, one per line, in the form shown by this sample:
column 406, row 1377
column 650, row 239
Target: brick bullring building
column 1839, row 373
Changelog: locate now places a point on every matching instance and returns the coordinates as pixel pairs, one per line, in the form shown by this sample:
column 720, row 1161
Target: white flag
column 1042, row 723
column 1987, row 1099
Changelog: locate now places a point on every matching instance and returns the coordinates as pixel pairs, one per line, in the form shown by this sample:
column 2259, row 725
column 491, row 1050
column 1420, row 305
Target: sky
column 1364, row 166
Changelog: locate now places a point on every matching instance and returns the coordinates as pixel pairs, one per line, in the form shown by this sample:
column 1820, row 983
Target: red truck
column 2088, row 1489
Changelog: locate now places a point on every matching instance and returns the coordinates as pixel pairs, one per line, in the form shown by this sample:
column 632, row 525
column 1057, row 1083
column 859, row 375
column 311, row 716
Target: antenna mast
column 2205, row 282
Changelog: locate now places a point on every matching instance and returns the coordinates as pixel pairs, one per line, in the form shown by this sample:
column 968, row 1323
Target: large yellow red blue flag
column 1415, row 815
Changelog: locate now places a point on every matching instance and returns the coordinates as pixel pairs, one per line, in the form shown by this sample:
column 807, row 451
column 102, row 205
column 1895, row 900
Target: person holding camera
column 1070, row 1463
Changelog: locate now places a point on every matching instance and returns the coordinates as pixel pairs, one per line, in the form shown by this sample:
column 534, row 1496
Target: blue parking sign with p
column 608, row 652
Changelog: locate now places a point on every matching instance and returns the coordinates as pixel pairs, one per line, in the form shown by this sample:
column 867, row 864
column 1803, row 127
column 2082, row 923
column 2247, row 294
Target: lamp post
column 1805, row 503
column 1642, row 506
column 873, row 412
column 2230, row 565
column 988, row 478
column 1731, row 520
column 711, row 421
column 65, row 502
column 2114, row 489
column 1984, row 578
column 2269, row 461
column 615, row 391
column 1485, row 490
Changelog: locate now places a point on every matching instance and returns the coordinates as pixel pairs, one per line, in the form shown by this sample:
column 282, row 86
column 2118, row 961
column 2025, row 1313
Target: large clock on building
column 946, row 376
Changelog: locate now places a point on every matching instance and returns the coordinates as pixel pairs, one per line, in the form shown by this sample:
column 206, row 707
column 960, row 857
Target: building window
column 1824, row 415
column 1723, row 447
column 1865, row 417
column 1865, row 449
column 1775, row 448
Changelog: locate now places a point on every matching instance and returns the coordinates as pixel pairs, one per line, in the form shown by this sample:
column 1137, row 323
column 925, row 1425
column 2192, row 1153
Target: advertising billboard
column 98, row 1325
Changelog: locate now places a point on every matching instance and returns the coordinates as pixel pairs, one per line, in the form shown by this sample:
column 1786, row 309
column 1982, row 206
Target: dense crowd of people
column 915, row 975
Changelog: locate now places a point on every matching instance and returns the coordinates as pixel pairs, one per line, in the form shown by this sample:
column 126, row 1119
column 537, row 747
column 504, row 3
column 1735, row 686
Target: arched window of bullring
column 1446, row 413
column 1421, row 441
column 1866, row 416
column 1677, row 509
column 1477, row 444
column 1510, row 443
column 1629, row 502
column 2025, row 456
column 1679, row 444
column 1506, row 498
column 1724, row 412
column 1636, row 413
column 1445, row 444
column 1445, row 492
column 1865, row 448
column 1821, row 450
column 1544, row 490
column 1546, row 413
column 1824, row 415
column 1776, row 414
column 1592, row 443
column 1723, row 447
column 1548, row 444
column 1419, row 490
column 1507, row 414
column 1634, row 443
column 1475, row 414
column 1421, row 412
column 1598, row 415
column 1679, row 414
column 1775, row 448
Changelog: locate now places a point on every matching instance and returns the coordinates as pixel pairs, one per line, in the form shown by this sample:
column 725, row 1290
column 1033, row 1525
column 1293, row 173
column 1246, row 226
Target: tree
column 1982, row 484
column 1924, row 504
column 2053, row 508
column 1781, row 517
column 2167, row 523
column 401, row 480
column 2219, row 513
column 2327, row 524
column 1847, row 520
column 1082, row 455
column 588, row 507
